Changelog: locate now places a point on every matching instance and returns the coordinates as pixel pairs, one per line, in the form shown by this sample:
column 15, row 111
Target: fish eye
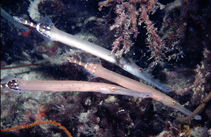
column 140, row 70
column 113, row 89
column 173, row 102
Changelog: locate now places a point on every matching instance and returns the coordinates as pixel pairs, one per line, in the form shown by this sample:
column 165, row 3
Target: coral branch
column 156, row 45
column 201, row 79
column 38, row 123
column 130, row 14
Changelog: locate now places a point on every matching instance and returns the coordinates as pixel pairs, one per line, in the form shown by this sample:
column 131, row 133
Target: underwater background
column 169, row 40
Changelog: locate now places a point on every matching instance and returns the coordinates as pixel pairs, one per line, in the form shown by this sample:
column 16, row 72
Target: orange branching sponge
column 37, row 123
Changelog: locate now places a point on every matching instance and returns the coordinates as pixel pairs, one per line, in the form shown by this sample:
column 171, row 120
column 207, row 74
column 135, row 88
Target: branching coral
column 130, row 14
column 38, row 123
column 202, row 79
